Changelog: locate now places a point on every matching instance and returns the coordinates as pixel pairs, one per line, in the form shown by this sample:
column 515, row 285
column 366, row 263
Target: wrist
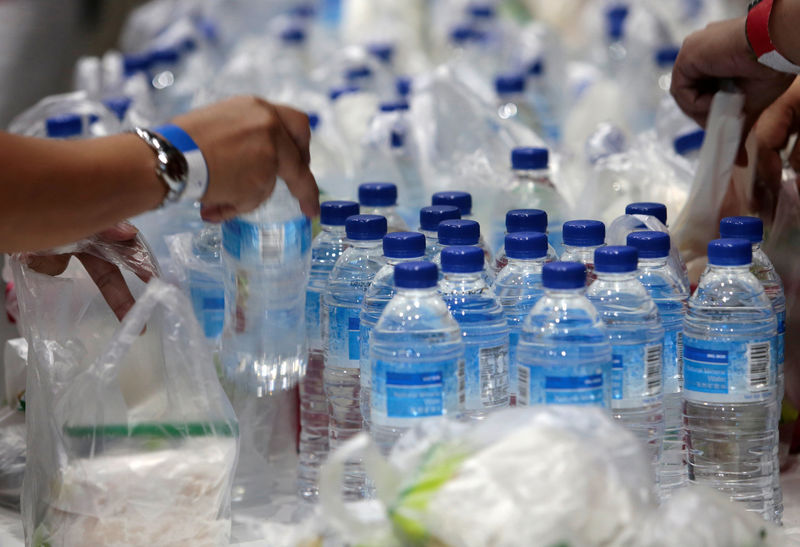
column 769, row 36
column 783, row 32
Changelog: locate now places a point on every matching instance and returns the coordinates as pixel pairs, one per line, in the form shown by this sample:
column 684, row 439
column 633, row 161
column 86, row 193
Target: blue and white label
column 673, row 360
column 267, row 243
column 209, row 308
column 313, row 320
column 635, row 375
column 563, row 385
column 485, row 366
column 403, row 391
column 719, row 371
column 344, row 340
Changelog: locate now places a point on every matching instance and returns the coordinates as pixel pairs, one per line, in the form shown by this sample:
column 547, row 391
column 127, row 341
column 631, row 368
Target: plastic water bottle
column 522, row 220
column 462, row 232
column 206, row 285
column 325, row 250
column 518, row 287
column 512, row 103
column 347, row 284
column 380, row 198
column 616, row 51
column 417, row 357
column 398, row 247
column 542, row 96
column 429, row 219
column 462, row 200
column 689, row 144
column 406, row 160
column 532, row 187
column 729, row 365
column 474, row 306
column 669, row 294
column 581, row 239
column 637, row 339
column 266, row 259
column 752, row 229
column 563, row 356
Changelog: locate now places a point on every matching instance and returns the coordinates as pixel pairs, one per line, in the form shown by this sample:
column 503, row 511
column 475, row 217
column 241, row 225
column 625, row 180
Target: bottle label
column 635, row 374
column 267, row 243
column 513, row 342
column 673, row 360
column 402, row 390
column 344, row 349
column 718, row 371
column 209, row 308
column 780, row 343
column 486, row 376
column 313, row 319
column 562, row 385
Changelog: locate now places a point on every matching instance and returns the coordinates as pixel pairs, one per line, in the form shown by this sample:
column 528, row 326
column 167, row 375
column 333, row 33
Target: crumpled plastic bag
column 131, row 438
column 555, row 475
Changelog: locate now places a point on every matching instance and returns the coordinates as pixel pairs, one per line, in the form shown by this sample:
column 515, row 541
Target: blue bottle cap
column 526, row 220
column 357, row 73
column 313, row 120
column 388, row 107
column 420, row 274
column 462, row 34
column 188, row 45
column 293, row 35
column 462, row 200
column 481, row 11
column 462, row 259
column 658, row 210
column 336, row 92
column 118, row 105
column 616, row 259
column 135, row 62
column 365, row 227
column 397, row 139
column 536, row 67
column 749, row 228
column 583, row 233
column 403, row 245
column 377, row 194
column 335, row 213
column 564, row 275
column 432, row 215
column 383, row 51
column 689, row 142
column 509, row 83
column 650, row 244
column 665, row 56
column 402, row 106
column 730, row 252
column 459, row 232
column 615, row 21
column 64, row 126
column 166, row 55
column 529, row 158
column 526, row 245
column 403, row 86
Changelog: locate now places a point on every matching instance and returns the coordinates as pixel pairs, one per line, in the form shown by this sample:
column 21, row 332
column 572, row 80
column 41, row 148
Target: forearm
column 56, row 192
column 783, row 23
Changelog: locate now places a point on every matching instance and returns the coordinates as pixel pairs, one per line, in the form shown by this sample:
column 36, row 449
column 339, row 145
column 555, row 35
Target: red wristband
column 757, row 30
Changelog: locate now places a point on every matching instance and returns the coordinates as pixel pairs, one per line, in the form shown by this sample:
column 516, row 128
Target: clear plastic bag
column 554, row 475
column 131, row 438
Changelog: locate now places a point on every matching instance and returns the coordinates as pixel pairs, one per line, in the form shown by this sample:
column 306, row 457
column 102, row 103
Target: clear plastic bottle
column 616, row 52
column 326, row 248
column 380, row 198
column 417, row 357
column 462, row 200
column 485, row 331
column 347, row 284
column 669, row 294
column 518, row 287
column 729, row 360
column 429, row 219
column 563, row 356
column 461, row 232
column 404, row 153
column 266, row 259
column 752, row 229
column 512, row 103
column 581, row 239
column 206, row 285
column 637, row 340
column 522, row 220
column 532, row 187
column 398, row 247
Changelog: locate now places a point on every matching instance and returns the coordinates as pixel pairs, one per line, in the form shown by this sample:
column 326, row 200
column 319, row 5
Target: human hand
column 124, row 240
column 720, row 52
column 248, row 142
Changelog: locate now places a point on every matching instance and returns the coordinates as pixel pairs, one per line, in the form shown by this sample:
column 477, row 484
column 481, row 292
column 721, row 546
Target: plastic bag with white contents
column 131, row 438
column 547, row 476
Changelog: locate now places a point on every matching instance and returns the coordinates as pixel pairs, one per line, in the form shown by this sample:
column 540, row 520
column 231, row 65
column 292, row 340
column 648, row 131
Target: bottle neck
column 581, row 248
column 729, row 270
column 416, row 292
column 394, row 261
column 333, row 229
column 527, row 262
column 615, row 277
column 565, row 293
column 430, row 234
column 463, row 278
column 366, row 244
column 653, row 263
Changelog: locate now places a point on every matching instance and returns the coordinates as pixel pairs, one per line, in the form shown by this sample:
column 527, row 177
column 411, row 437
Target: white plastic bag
column 131, row 439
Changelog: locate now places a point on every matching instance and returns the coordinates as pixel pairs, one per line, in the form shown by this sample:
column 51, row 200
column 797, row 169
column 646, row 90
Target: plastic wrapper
column 13, row 449
column 98, row 120
column 131, row 438
column 539, row 476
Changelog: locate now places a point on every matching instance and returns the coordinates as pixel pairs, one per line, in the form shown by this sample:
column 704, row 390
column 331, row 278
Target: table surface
column 11, row 526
